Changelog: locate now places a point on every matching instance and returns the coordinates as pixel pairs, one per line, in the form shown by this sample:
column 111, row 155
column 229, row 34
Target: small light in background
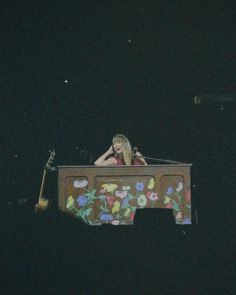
column 197, row 100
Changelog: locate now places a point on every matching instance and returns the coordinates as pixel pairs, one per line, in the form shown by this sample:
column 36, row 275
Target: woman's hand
column 140, row 158
column 110, row 150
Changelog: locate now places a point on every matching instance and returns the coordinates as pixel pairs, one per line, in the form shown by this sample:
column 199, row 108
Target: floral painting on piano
column 115, row 200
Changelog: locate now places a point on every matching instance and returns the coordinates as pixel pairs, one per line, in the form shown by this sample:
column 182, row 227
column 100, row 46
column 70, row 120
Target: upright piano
column 112, row 194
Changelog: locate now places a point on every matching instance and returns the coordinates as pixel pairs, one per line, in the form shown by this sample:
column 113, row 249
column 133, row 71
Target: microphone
column 135, row 150
column 134, row 153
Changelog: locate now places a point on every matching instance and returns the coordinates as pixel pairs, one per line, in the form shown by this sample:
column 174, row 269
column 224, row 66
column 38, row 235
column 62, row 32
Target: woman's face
column 118, row 144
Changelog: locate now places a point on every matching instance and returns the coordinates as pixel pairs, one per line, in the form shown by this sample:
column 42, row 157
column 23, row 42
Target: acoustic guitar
column 43, row 202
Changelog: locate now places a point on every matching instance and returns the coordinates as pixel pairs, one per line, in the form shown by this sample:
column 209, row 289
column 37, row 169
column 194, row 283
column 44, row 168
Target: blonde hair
column 126, row 147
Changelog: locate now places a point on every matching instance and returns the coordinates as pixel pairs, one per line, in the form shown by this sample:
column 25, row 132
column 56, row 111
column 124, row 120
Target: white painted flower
column 179, row 215
column 153, row 196
column 179, row 187
column 142, row 201
column 80, row 183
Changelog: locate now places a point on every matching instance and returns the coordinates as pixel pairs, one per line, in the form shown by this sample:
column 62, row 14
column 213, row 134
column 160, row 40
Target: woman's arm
column 101, row 161
column 140, row 158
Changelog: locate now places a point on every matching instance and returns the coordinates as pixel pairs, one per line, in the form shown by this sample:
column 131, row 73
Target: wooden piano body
column 112, row 194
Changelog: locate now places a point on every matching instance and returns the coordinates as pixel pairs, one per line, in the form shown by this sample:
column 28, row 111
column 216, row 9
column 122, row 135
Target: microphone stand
column 160, row 160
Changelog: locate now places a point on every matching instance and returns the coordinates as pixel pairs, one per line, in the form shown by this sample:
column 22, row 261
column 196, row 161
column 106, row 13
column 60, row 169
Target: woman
column 120, row 153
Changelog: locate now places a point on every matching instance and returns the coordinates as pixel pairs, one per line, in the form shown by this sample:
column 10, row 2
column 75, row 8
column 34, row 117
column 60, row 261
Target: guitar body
column 42, row 205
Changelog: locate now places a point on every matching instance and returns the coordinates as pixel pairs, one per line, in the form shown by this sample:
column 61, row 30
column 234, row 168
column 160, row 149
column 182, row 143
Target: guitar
column 42, row 204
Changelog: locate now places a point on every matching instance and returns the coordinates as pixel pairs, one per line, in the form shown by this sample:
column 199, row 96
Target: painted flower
column 116, row 207
column 70, row 202
column 139, row 186
column 131, row 217
column 152, row 196
column 106, row 217
column 187, row 196
column 80, row 183
column 115, row 222
column 142, row 201
column 186, row 221
column 110, row 200
column 110, row 187
column 121, row 194
column 151, row 183
column 167, row 200
column 179, row 215
column 102, row 191
column 127, row 212
column 179, row 187
column 82, row 200
column 169, row 206
column 169, row 191
column 125, row 202
column 126, row 188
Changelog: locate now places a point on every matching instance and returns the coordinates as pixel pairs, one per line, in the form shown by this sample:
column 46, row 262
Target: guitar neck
column 49, row 162
column 42, row 183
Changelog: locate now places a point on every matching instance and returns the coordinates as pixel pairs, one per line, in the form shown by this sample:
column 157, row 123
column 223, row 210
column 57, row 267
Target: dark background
column 74, row 73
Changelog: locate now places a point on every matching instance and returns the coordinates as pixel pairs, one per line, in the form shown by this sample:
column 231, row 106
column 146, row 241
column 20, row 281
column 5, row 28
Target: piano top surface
column 125, row 166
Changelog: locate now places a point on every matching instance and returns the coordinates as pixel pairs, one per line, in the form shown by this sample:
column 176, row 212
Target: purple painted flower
column 125, row 202
column 169, row 191
column 139, row 186
column 121, row 194
column 82, row 200
column 106, row 217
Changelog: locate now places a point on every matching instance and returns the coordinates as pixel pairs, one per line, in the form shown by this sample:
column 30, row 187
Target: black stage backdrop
column 74, row 73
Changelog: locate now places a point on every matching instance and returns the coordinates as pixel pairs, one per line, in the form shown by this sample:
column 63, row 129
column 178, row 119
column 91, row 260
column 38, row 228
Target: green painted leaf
column 91, row 194
column 87, row 211
column 79, row 213
column 180, row 197
column 175, row 206
column 101, row 197
column 130, row 196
